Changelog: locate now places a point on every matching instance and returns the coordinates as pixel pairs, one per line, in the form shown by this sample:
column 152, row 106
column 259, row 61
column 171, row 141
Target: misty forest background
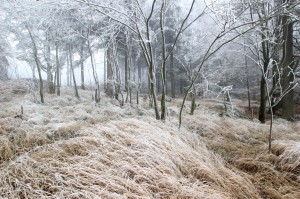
column 159, row 49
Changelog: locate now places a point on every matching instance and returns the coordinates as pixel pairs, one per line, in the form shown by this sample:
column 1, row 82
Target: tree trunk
column 105, row 70
column 51, row 87
column 266, row 61
column 57, row 70
column 116, row 75
column 97, row 92
column 247, row 80
column 50, row 79
column 38, row 64
column 109, row 87
column 287, row 65
column 173, row 83
column 41, row 81
column 163, row 66
column 153, row 90
column 263, row 83
column 82, row 66
column 262, row 108
column 139, row 80
column 72, row 70
column 158, row 80
column 129, row 68
column 68, row 72
column 126, row 73
column 193, row 103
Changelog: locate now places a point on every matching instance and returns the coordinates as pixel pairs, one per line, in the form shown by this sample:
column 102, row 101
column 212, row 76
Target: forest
column 150, row 99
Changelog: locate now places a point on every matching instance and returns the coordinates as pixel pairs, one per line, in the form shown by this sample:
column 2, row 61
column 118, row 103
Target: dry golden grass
column 243, row 144
column 128, row 158
column 69, row 148
column 288, row 153
column 76, row 149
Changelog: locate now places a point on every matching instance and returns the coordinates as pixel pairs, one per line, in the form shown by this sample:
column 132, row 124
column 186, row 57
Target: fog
column 21, row 69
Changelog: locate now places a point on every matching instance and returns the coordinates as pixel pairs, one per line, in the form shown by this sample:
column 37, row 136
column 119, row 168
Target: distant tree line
column 161, row 48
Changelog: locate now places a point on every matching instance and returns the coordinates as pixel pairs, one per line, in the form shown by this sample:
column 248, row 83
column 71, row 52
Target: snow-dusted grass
column 74, row 148
column 120, row 159
column 289, row 156
column 243, row 144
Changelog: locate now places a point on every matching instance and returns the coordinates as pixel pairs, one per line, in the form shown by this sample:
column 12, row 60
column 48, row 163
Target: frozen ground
column 70, row 148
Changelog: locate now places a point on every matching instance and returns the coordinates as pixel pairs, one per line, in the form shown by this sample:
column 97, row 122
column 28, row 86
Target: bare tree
column 139, row 23
column 38, row 63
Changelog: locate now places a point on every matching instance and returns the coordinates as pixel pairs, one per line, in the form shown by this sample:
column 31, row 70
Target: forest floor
column 70, row 148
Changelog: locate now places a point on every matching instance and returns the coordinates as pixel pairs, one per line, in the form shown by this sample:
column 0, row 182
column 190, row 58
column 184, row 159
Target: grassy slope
column 73, row 149
column 243, row 144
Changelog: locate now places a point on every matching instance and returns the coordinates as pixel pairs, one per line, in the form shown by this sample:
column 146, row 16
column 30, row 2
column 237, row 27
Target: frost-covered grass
column 120, row 159
column 289, row 156
column 70, row 148
column 243, row 144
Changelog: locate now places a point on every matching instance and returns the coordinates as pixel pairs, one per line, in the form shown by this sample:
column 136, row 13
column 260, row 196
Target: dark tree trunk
column 263, row 96
column 41, row 82
column 287, row 77
column 266, row 61
column 158, row 81
column 163, row 67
